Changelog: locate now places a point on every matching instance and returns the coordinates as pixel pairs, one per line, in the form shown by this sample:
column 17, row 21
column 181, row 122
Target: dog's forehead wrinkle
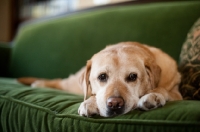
column 119, row 58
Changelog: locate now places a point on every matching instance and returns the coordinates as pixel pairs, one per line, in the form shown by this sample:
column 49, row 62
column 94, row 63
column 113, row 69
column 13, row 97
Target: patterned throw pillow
column 190, row 64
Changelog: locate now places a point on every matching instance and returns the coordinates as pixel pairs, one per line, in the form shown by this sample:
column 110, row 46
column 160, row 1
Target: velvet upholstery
column 25, row 109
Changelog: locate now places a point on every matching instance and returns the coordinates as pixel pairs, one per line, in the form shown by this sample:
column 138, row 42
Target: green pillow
column 26, row 109
column 190, row 64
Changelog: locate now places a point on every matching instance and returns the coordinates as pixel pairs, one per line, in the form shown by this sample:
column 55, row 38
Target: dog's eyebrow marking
column 104, row 69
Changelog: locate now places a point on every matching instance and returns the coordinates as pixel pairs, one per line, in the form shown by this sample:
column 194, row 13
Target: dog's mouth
column 111, row 113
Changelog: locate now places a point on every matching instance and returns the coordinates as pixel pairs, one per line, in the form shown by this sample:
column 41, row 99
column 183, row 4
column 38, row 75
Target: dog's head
column 119, row 75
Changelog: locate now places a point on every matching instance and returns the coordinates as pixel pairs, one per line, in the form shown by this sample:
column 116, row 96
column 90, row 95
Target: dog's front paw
column 151, row 101
column 88, row 108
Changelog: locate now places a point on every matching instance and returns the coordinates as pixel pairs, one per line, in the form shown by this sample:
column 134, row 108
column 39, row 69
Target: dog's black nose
column 115, row 105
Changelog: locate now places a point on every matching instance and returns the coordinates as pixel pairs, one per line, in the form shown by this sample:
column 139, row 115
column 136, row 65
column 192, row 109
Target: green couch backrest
column 59, row 47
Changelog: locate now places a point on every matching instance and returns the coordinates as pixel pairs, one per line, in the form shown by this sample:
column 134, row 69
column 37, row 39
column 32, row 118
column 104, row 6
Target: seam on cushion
column 110, row 121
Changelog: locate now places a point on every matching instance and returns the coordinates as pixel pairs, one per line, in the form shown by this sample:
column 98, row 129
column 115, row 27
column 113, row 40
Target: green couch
column 58, row 47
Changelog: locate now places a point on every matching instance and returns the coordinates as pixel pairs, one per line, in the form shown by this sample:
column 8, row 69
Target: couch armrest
column 5, row 53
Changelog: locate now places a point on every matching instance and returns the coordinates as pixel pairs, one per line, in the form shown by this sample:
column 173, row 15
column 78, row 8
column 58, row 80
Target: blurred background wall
column 39, row 8
column 15, row 12
column 8, row 19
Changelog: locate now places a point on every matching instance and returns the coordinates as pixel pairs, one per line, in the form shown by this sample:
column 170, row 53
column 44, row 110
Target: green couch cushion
column 58, row 47
column 190, row 64
column 26, row 109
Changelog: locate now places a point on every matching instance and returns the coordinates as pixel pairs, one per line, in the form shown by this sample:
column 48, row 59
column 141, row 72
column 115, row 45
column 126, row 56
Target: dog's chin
column 105, row 112
column 114, row 113
column 109, row 113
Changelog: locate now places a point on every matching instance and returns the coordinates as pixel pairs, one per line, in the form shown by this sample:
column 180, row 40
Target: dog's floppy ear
column 84, row 80
column 154, row 73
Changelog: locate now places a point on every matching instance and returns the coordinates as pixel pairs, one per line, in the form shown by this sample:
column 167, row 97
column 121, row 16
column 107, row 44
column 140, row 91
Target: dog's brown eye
column 131, row 77
column 103, row 77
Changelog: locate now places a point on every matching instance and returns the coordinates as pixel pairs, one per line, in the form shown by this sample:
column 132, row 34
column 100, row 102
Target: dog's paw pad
column 151, row 101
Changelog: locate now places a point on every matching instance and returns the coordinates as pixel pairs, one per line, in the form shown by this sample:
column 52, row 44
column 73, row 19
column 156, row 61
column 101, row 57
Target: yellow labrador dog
column 121, row 78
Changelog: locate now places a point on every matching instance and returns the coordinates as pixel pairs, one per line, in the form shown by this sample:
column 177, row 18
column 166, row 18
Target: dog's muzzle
column 115, row 106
